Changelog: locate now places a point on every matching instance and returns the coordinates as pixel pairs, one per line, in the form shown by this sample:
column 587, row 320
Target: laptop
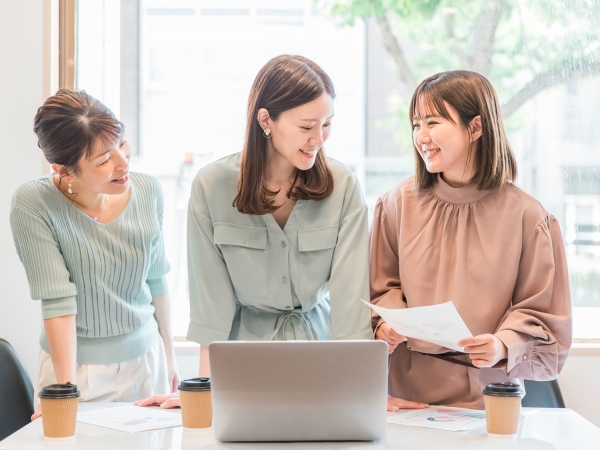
column 299, row 390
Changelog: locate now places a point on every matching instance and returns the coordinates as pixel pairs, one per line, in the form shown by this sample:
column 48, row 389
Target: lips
column 308, row 154
column 122, row 180
column 429, row 153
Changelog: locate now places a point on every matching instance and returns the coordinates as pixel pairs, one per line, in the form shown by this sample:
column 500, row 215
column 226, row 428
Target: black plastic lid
column 67, row 390
column 195, row 384
column 505, row 389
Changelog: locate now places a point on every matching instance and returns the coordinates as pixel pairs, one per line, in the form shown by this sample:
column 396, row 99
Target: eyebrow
column 316, row 120
column 103, row 153
column 426, row 117
column 109, row 148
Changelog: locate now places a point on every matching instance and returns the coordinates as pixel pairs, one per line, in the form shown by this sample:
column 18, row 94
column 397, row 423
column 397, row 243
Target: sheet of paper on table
column 130, row 418
column 440, row 418
column 440, row 324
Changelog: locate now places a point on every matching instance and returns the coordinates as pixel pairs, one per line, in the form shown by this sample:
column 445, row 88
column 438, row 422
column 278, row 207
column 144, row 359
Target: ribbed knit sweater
column 106, row 274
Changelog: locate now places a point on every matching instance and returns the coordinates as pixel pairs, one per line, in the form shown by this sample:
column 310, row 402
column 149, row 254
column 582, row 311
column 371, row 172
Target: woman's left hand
column 484, row 350
column 164, row 401
column 173, row 374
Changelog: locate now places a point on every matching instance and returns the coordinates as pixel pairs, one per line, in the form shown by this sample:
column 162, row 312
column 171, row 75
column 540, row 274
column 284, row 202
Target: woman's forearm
column 162, row 314
column 204, row 362
column 62, row 343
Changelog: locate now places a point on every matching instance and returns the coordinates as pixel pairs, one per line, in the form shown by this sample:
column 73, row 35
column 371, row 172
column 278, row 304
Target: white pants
column 126, row 381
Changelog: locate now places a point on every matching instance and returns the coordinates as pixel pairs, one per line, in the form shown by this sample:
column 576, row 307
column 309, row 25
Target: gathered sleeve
column 349, row 279
column 48, row 276
column 212, row 299
column 386, row 287
column 537, row 329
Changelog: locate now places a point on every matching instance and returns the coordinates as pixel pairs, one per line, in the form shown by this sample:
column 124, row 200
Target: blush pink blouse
column 499, row 257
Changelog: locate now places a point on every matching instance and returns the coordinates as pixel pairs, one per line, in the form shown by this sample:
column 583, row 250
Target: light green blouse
column 251, row 280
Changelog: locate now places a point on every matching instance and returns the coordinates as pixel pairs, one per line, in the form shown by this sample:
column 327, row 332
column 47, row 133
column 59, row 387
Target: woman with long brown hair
column 278, row 234
column 90, row 238
column 461, row 230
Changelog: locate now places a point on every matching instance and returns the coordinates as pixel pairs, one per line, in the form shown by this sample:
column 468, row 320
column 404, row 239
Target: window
column 178, row 74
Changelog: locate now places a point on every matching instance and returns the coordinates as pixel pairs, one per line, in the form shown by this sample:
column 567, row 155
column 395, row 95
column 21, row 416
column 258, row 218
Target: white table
column 540, row 429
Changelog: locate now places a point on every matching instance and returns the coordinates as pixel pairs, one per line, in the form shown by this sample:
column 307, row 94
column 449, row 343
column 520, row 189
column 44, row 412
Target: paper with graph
column 440, row 418
column 130, row 419
column 440, row 324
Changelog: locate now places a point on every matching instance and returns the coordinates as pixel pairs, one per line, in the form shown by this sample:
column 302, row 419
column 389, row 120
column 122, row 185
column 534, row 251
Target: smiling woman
column 90, row 238
column 461, row 230
column 290, row 260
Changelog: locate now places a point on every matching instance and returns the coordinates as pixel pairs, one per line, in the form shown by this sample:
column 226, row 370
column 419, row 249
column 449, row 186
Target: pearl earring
column 69, row 190
column 267, row 133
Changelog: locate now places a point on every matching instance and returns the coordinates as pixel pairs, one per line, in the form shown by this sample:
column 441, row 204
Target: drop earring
column 267, row 133
column 69, row 190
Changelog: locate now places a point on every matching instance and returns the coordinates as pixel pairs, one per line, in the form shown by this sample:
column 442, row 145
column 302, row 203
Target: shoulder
column 343, row 177
column 528, row 207
column 145, row 182
column 223, row 171
column 215, row 186
column 35, row 194
column 401, row 191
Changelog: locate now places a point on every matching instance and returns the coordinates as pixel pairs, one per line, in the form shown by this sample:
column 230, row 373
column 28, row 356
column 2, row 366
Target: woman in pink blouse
column 461, row 230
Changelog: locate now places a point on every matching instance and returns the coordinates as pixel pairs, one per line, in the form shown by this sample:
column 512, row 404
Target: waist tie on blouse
column 288, row 318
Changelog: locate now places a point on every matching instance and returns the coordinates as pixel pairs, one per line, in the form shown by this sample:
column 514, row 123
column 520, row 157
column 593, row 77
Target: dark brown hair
column 470, row 94
column 69, row 125
column 285, row 82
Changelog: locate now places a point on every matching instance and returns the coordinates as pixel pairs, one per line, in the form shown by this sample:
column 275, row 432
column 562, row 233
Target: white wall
column 579, row 382
column 23, row 87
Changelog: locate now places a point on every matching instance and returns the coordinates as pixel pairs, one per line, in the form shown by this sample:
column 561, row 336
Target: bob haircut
column 70, row 124
column 285, row 82
column 470, row 94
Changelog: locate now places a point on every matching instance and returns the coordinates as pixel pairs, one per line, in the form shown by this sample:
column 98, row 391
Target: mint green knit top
column 106, row 274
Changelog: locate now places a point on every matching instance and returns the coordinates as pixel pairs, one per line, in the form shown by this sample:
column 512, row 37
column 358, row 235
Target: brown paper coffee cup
column 196, row 409
column 502, row 414
column 59, row 416
column 59, row 409
column 196, row 403
column 502, row 408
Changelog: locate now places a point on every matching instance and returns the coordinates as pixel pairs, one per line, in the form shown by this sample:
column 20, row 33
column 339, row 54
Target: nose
column 422, row 136
column 318, row 137
column 122, row 157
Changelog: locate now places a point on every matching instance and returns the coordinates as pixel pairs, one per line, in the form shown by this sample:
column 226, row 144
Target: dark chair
column 542, row 394
column 16, row 392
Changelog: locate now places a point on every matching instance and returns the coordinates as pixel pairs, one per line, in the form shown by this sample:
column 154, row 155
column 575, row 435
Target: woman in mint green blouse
column 278, row 234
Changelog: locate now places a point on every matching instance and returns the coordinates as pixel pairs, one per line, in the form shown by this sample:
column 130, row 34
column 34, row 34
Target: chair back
column 542, row 394
column 16, row 392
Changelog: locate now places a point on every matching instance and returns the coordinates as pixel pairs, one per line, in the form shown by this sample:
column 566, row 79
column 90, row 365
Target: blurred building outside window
column 178, row 74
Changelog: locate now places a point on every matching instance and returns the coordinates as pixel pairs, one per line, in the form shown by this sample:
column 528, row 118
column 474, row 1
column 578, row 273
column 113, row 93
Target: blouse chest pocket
column 315, row 249
column 244, row 250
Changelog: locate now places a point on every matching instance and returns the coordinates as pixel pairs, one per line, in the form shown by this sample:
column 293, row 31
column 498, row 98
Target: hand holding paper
column 439, row 324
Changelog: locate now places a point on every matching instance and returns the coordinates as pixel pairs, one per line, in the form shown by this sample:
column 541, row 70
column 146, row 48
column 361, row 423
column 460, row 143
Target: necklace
column 83, row 209
column 80, row 206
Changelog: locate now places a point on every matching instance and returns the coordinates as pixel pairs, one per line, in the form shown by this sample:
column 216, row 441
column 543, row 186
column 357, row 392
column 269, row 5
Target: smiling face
column 445, row 145
column 106, row 172
column 299, row 133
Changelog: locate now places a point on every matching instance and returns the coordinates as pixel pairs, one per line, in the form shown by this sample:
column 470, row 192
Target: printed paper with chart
column 440, row 418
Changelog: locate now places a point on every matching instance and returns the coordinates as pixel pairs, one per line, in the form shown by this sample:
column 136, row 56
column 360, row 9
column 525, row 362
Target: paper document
column 440, row 324
column 440, row 418
column 130, row 418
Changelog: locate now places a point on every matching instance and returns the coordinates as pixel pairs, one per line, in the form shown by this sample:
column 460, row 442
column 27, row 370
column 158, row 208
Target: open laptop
column 299, row 390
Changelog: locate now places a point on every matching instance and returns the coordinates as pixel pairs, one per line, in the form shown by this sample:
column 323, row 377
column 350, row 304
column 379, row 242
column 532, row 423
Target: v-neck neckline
column 83, row 213
column 292, row 220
